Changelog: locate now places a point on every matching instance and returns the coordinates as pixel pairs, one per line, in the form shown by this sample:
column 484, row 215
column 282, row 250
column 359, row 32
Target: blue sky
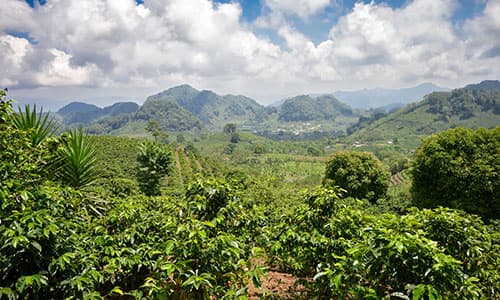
column 266, row 49
column 317, row 27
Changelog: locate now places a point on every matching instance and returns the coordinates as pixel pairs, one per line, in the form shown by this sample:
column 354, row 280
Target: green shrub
column 154, row 163
column 360, row 174
column 459, row 168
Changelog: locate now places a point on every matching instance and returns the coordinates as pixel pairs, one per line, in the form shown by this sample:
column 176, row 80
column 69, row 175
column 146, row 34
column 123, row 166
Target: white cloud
column 483, row 32
column 115, row 44
column 59, row 71
column 401, row 43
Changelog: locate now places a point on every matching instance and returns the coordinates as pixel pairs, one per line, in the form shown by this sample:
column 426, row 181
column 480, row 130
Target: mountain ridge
column 380, row 97
column 472, row 106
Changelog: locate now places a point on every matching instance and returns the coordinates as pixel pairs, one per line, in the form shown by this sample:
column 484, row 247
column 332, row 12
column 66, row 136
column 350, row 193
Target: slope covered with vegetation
column 467, row 107
column 212, row 109
column 110, row 217
column 306, row 108
column 78, row 113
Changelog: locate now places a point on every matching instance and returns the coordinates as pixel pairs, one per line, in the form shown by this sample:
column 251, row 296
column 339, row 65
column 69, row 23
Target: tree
column 154, row 163
column 235, row 138
column 155, row 130
column 359, row 173
column 229, row 128
column 459, row 168
column 180, row 138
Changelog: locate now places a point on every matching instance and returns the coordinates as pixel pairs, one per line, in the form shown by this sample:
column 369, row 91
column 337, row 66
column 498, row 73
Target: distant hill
column 183, row 108
column 120, row 108
column 473, row 106
column 306, row 108
column 493, row 85
column 374, row 98
column 82, row 113
column 211, row 109
column 169, row 114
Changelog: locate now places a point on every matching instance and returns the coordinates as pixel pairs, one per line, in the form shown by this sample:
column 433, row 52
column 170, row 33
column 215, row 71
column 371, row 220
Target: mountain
column 493, row 85
column 79, row 113
column 183, row 108
column 307, row 108
column 82, row 113
column 120, row 108
column 211, row 109
column 473, row 106
column 169, row 114
column 373, row 98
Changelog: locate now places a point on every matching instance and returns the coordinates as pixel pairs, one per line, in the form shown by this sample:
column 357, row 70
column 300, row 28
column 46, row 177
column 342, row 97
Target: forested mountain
column 373, row 98
column 184, row 108
column 169, row 114
column 306, row 108
column 473, row 106
column 82, row 113
column 213, row 110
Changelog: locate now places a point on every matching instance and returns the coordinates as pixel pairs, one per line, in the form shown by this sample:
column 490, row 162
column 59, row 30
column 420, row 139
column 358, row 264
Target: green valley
column 189, row 200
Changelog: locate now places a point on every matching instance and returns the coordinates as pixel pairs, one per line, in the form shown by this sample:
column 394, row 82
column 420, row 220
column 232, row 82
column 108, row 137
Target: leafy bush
column 154, row 163
column 426, row 254
column 54, row 244
column 360, row 174
column 459, row 168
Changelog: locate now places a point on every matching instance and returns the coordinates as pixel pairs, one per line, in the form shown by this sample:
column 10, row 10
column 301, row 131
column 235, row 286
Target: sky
column 101, row 51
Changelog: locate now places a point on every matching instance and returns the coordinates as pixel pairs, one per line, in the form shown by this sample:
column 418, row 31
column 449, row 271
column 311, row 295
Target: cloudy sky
column 56, row 51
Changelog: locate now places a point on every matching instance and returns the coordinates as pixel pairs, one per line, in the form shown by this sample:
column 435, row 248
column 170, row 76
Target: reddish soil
column 277, row 285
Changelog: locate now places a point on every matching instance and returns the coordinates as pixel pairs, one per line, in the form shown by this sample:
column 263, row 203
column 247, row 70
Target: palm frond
column 77, row 160
column 39, row 125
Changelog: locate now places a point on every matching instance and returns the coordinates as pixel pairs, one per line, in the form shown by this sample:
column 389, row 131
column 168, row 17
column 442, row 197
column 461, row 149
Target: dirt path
column 277, row 285
column 188, row 161
column 178, row 164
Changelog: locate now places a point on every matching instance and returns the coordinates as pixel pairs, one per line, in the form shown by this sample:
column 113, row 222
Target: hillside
column 473, row 106
column 169, row 115
column 373, row 98
column 183, row 108
column 77, row 113
column 212, row 110
column 306, row 108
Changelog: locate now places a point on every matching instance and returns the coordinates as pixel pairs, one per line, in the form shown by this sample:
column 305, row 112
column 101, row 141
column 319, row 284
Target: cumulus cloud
column 116, row 44
column 414, row 42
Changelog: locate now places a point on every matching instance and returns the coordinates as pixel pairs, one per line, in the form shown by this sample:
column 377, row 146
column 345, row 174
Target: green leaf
column 418, row 292
column 116, row 291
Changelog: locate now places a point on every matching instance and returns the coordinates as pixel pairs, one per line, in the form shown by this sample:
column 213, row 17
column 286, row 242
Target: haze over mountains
column 373, row 98
column 474, row 106
column 184, row 108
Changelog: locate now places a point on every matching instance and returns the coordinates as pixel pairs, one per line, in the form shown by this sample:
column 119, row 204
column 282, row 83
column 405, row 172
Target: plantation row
column 107, row 217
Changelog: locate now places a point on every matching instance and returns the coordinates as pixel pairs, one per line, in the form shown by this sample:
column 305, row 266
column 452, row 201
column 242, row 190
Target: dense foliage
column 471, row 107
column 352, row 254
column 206, row 232
column 76, row 159
column 169, row 114
column 306, row 108
column 360, row 174
column 459, row 168
column 154, row 164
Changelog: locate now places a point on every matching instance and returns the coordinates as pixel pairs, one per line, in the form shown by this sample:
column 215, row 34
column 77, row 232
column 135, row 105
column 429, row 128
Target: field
column 234, row 216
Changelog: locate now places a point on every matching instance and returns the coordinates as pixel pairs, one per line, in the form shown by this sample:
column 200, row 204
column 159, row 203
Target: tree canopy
column 459, row 168
column 359, row 173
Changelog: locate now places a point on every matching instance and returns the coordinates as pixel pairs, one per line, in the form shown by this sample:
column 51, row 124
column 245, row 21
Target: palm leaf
column 77, row 165
column 39, row 125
